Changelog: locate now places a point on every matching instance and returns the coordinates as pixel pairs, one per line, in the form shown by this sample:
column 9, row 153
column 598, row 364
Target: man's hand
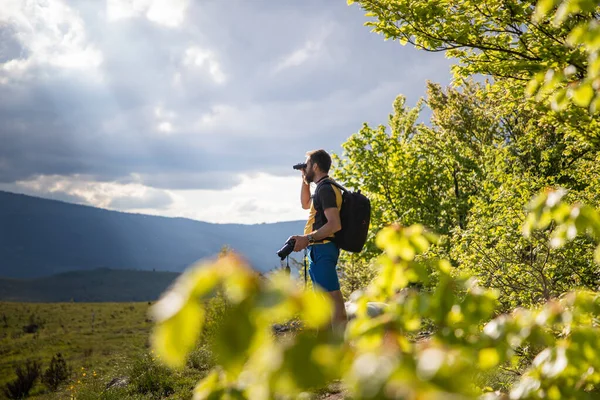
column 301, row 242
column 304, row 176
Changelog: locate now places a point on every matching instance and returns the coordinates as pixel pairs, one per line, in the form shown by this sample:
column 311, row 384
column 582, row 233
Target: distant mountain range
column 40, row 237
column 98, row 285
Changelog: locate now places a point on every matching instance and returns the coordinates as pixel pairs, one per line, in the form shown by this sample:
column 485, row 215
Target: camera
column 287, row 249
column 300, row 166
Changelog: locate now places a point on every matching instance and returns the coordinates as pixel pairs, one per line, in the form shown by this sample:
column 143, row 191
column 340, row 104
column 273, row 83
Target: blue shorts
column 323, row 260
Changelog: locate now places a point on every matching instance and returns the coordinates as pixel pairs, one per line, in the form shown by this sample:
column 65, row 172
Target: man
column 323, row 223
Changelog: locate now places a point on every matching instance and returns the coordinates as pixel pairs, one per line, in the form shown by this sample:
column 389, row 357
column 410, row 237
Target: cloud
column 126, row 196
column 249, row 198
column 50, row 35
column 121, row 95
column 169, row 13
column 201, row 58
column 149, row 199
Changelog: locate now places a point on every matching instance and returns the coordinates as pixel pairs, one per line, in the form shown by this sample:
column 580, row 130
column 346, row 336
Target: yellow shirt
column 326, row 196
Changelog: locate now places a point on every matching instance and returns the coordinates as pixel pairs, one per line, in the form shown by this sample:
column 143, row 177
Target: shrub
column 34, row 325
column 57, row 372
column 201, row 359
column 149, row 376
column 26, row 376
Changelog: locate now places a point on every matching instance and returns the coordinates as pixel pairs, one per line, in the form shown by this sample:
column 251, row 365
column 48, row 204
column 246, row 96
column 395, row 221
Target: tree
column 468, row 176
column 57, row 373
column 503, row 40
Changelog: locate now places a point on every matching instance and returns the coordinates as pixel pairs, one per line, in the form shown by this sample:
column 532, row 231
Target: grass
column 100, row 342
column 103, row 343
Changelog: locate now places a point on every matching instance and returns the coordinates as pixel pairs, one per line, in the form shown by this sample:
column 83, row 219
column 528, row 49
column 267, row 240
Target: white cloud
column 165, row 127
column 205, row 59
column 123, row 9
column 168, row 13
column 257, row 198
column 51, row 33
column 311, row 49
column 300, row 56
column 132, row 197
column 165, row 118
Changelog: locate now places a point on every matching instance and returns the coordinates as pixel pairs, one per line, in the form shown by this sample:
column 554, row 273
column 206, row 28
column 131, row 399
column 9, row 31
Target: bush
column 355, row 274
column 34, row 325
column 149, row 376
column 201, row 359
column 57, row 372
column 26, row 377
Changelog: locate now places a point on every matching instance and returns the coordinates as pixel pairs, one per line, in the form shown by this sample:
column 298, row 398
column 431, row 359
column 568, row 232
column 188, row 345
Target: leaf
column 583, row 94
column 542, row 9
column 559, row 100
column 234, row 337
column 174, row 338
column 317, row 309
column 208, row 387
column 488, row 358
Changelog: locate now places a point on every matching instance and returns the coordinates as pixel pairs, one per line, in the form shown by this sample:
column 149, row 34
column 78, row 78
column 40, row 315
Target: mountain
column 98, row 285
column 40, row 237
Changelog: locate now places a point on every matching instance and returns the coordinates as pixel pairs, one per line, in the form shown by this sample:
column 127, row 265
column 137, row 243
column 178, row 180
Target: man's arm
column 332, row 225
column 305, row 194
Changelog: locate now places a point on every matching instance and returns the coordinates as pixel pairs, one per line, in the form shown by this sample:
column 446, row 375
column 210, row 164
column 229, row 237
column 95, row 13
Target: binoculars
column 300, row 166
column 287, row 249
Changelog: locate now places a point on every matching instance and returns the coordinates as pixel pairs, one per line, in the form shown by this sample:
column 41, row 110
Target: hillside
column 40, row 237
column 99, row 285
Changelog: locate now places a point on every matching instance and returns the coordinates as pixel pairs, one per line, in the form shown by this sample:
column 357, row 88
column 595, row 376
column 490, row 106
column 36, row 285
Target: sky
column 185, row 108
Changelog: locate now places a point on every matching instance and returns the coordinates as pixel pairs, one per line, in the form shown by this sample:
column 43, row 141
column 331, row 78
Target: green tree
column 510, row 42
column 468, row 176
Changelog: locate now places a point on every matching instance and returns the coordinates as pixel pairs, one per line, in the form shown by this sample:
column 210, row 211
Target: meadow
column 100, row 342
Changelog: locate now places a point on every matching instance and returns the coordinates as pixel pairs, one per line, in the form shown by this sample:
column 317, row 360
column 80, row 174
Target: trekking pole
column 305, row 277
column 287, row 266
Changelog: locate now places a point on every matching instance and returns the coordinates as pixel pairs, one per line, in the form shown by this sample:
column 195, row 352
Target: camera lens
column 287, row 249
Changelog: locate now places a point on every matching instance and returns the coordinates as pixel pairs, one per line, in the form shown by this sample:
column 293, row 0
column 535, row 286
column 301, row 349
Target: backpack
column 355, row 216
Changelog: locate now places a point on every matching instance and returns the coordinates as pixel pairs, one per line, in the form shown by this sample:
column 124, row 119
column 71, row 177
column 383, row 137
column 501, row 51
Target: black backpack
column 355, row 217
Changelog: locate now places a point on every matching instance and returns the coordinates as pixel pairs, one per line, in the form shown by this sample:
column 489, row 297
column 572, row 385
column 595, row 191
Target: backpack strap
column 327, row 180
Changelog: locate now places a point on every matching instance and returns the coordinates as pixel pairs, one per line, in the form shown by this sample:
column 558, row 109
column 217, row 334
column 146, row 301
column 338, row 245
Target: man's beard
column 309, row 176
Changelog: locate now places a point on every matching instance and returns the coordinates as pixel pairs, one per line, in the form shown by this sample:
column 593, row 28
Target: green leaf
column 174, row 338
column 542, row 9
column 559, row 100
column 317, row 309
column 234, row 337
column 488, row 358
column 208, row 388
column 594, row 66
column 582, row 95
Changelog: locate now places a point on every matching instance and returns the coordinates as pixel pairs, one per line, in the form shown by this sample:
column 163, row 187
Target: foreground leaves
column 435, row 343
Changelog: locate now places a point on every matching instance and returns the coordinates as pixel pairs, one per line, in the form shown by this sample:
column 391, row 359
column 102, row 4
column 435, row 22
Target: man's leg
column 323, row 260
column 339, row 312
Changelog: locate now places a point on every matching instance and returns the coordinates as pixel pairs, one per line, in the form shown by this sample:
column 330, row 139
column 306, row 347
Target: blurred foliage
column 384, row 356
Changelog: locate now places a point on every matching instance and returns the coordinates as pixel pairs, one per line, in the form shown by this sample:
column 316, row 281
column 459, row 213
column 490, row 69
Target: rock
column 118, row 382
column 374, row 309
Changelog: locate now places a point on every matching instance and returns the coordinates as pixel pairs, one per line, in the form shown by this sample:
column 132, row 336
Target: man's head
column 317, row 162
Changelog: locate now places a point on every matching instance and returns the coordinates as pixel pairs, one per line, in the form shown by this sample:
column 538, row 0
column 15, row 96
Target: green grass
column 101, row 340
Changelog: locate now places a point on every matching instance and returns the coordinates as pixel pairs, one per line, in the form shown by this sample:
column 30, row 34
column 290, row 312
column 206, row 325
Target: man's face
column 309, row 173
